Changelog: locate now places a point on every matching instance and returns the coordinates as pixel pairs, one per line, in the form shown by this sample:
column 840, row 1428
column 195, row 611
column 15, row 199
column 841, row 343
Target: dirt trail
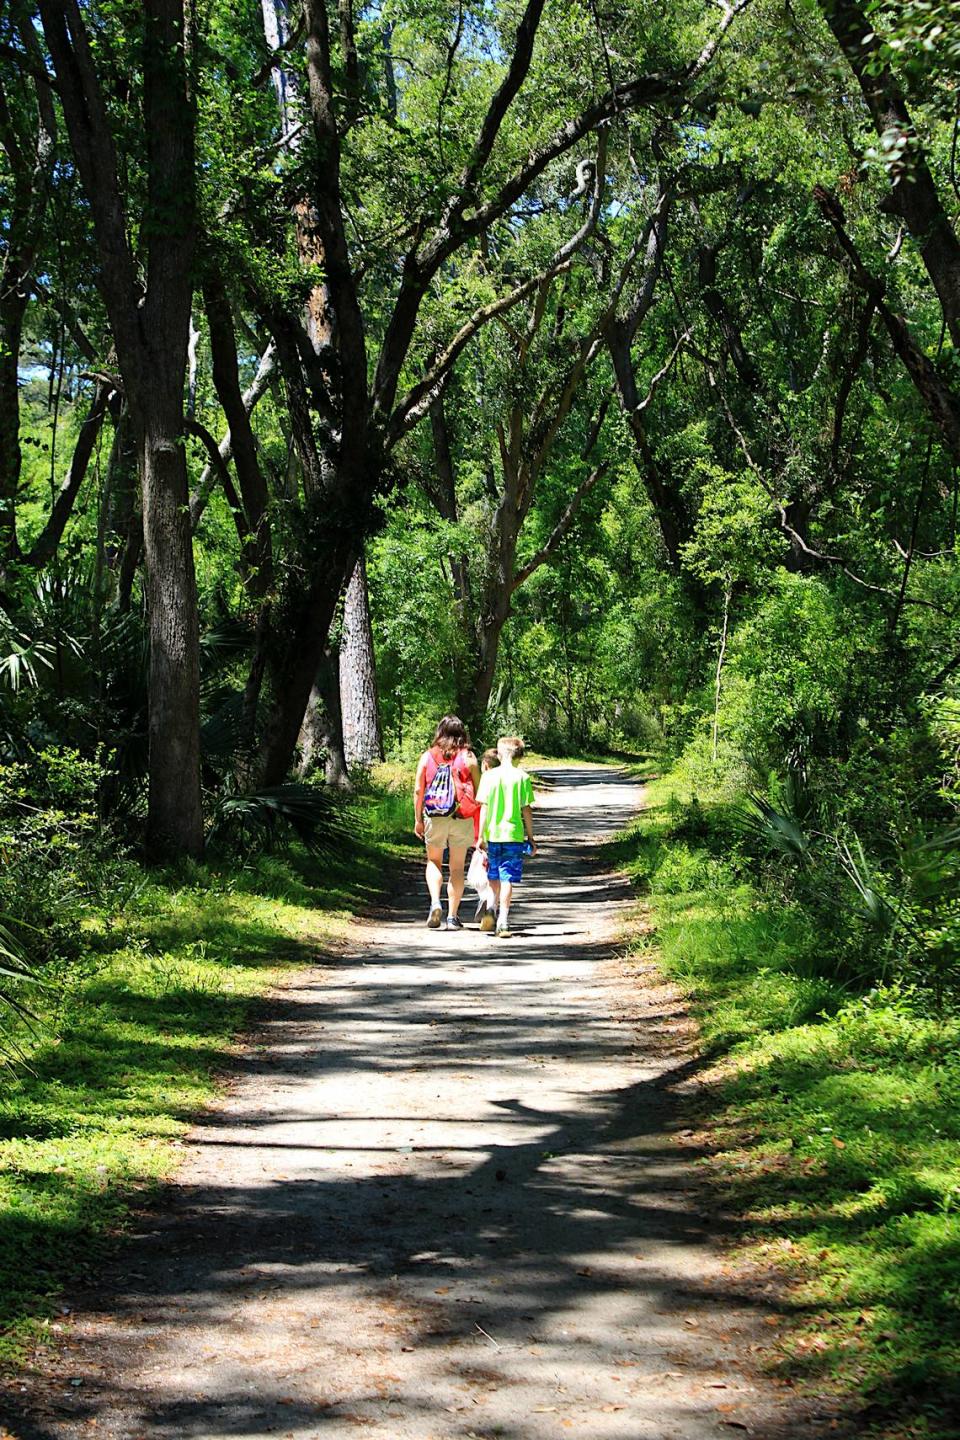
column 445, row 1198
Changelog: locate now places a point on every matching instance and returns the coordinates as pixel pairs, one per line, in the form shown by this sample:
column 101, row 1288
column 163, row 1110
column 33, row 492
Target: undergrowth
column 839, row 1124
column 130, row 1034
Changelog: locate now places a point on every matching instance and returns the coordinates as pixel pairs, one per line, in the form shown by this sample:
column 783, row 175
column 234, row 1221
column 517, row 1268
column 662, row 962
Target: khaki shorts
column 448, row 830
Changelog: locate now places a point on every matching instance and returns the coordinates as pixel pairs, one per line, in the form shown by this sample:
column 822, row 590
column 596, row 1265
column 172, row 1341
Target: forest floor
column 451, row 1191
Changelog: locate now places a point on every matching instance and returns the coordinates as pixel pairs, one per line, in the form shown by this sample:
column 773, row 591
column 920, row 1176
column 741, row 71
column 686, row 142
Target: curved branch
column 561, row 527
column 421, row 396
column 45, row 545
column 497, row 109
column 194, row 427
column 418, row 400
column 254, row 392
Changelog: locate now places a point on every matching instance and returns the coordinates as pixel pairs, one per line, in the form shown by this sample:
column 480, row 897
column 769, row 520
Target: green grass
column 129, row 1045
column 837, row 1123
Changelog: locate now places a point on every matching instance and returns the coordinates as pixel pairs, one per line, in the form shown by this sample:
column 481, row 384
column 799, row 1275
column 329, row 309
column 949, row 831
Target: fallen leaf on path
column 442, row 1290
column 545, row 1409
column 694, row 1323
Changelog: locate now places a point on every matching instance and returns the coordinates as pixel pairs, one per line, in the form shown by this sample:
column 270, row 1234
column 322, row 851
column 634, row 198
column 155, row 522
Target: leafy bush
column 56, row 855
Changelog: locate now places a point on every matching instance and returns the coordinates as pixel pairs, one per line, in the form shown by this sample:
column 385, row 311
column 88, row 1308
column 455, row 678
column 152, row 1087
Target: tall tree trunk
column 11, row 458
column 321, row 734
column 150, row 327
column 123, row 521
column 498, row 588
column 175, row 820
column 359, row 701
column 296, row 655
column 175, row 817
column 489, row 630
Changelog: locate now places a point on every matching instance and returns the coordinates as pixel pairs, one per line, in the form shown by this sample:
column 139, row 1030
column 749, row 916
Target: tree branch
column 45, row 545
column 420, row 396
column 497, row 109
column 251, row 396
column 730, row 13
column 194, row 427
column 928, row 382
column 561, row 527
column 797, row 540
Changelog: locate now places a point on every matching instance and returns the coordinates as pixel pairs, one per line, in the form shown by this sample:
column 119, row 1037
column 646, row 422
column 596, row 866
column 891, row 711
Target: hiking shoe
column 435, row 918
column 487, row 922
column 503, row 931
column 454, row 922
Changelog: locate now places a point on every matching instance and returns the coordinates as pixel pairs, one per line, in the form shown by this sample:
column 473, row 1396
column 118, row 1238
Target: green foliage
column 254, row 821
column 57, row 858
column 835, row 1134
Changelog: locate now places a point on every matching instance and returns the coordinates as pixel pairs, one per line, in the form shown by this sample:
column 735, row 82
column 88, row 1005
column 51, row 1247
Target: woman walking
column 444, row 804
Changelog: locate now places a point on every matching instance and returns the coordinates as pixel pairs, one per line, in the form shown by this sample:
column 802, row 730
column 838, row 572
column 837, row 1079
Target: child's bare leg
column 456, row 881
column 506, row 895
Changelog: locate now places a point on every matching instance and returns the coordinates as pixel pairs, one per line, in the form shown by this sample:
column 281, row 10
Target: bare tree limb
column 730, row 14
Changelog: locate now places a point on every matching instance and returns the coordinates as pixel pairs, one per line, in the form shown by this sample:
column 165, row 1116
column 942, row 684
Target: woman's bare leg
column 455, row 884
column 434, row 873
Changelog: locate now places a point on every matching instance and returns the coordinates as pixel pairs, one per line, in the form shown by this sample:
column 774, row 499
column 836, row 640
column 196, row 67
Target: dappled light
column 447, row 1193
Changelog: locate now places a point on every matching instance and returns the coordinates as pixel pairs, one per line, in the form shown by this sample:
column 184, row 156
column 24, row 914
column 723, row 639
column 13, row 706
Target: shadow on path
column 447, row 1197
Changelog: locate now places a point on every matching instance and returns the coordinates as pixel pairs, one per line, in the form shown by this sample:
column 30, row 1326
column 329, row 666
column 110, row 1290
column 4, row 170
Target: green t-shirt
column 503, row 793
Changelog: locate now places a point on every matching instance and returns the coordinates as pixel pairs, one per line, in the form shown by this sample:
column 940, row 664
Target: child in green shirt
column 505, row 798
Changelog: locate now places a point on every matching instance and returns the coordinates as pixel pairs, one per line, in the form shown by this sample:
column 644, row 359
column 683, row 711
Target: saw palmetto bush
column 15, row 976
column 898, row 920
column 249, row 821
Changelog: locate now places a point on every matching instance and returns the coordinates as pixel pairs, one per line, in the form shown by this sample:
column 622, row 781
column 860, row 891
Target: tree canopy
column 613, row 345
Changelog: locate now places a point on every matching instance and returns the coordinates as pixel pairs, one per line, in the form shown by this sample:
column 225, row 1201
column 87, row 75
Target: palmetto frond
column 260, row 818
column 778, row 830
column 14, row 968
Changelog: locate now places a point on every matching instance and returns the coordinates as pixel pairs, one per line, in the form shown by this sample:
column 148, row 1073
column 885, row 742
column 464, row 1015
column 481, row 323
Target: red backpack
column 465, row 803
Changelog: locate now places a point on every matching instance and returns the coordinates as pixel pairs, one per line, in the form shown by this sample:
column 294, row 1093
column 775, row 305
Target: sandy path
column 444, row 1199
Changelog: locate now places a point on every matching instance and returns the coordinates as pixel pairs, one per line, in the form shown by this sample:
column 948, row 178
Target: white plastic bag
column 477, row 873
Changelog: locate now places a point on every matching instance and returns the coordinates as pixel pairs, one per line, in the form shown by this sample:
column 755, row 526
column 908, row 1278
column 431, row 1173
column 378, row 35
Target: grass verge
column 127, row 1047
column 838, row 1128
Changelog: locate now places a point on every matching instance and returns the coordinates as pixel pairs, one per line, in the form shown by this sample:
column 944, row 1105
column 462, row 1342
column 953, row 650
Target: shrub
column 56, row 856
